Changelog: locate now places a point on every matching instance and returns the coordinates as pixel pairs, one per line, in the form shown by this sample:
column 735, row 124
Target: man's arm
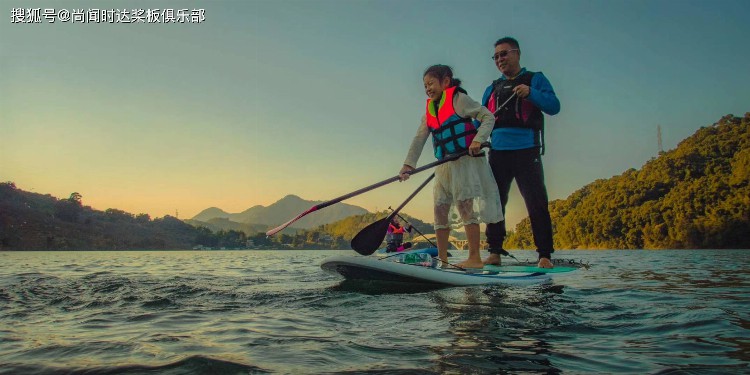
column 543, row 96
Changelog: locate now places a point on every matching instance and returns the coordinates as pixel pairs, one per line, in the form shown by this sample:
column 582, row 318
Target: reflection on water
column 496, row 329
column 382, row 287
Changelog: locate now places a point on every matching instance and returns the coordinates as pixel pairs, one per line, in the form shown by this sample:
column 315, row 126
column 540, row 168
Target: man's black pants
column 525, row 166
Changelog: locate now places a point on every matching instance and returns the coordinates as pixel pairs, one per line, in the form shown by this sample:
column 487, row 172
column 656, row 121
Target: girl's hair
column 440, row 72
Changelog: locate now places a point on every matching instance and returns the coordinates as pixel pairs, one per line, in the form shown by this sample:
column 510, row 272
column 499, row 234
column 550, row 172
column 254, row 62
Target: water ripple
column 665, row 312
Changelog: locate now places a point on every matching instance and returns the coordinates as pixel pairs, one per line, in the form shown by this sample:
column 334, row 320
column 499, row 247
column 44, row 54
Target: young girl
column 395, row 235
column 464, row 188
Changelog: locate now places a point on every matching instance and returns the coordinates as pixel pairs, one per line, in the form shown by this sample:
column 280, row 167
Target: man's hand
column 522, row 91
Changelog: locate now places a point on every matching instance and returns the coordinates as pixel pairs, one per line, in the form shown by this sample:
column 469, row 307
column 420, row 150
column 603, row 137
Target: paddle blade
column 369, row 238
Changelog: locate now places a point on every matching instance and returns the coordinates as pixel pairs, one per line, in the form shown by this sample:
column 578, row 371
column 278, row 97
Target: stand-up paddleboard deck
column 383, row 253
column 393, row 269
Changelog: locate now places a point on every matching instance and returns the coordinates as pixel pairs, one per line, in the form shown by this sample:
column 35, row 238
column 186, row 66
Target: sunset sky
column 319, row 98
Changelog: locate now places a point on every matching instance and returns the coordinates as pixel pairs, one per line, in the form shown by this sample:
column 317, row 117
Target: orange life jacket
column 451, row 133
column 395, row 230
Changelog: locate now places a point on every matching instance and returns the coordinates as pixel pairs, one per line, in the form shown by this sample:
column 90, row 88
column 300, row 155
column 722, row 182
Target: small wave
column 160, row 303
column 703, row 370
column 187, row 366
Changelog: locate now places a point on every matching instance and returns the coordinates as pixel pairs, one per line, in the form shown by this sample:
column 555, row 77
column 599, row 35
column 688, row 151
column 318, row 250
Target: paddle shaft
column 414, row 194
column 439, row 260
column 415, row 228
column 366, row 189
column 390, row 180
column 502, row 106
column 369, row 238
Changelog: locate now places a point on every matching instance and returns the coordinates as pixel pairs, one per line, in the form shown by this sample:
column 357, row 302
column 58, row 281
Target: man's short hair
column 508, row 40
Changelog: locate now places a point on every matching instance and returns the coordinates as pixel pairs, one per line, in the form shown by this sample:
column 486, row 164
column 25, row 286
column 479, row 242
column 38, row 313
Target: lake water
column 247, row 312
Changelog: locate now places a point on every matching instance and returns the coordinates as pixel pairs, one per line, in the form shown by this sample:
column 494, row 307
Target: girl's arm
column 465, row 106
column 417, row 144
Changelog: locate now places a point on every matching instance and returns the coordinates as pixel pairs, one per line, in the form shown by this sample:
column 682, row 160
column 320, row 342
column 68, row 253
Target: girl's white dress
column 464, row 192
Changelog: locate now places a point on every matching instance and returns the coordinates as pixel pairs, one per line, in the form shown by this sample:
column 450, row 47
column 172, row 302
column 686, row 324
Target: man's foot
column 493, row 259
column 545, row 263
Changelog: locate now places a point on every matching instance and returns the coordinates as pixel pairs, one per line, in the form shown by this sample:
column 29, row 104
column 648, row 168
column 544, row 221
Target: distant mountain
column 211, row 213
column 225, row 224
column 283, row 210
column 696, row 196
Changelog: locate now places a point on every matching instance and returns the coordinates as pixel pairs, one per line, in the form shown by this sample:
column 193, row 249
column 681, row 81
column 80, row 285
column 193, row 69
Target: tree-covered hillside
column 337, row 235
column 695, row 196
column 349, row 227
column 31, row 221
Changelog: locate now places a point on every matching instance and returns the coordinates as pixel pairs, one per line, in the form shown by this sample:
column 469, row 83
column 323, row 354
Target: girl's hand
column 403, row 175
column 475, row 148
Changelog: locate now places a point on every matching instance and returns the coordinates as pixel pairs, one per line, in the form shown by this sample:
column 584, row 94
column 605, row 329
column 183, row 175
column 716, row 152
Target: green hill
column 224, row 224
column 350, row 226
column 31, row 221
column 693, row 197
column 337, row 235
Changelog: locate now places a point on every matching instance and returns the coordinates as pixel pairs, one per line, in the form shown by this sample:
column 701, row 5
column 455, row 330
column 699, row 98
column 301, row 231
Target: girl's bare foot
column 471, row 263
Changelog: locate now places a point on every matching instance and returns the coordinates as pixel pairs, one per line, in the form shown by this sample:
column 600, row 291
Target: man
column 518, row 99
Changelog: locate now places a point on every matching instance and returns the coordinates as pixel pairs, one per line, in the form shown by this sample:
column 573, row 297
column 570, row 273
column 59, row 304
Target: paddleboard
column 383, row 253
column 529, row 269
column 418, row 266
column 372, row 268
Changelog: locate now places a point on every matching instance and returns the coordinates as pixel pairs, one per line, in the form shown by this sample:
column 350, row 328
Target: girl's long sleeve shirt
column 465, row 107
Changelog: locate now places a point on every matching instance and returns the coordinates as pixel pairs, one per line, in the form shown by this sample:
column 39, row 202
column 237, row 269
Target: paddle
column 413, row 227
column 364, row 190
column 502, row 106
column 369, row 238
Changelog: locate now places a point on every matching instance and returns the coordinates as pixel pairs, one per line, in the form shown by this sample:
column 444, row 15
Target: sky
column 319, row 98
